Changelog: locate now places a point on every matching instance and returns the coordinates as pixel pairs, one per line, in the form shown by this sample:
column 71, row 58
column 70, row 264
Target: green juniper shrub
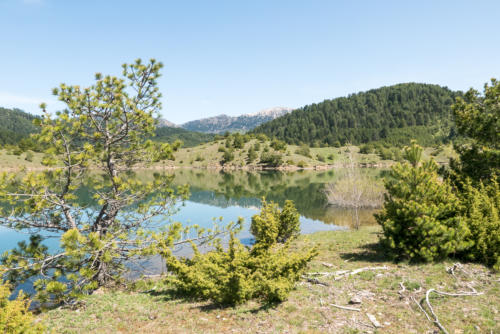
column 421, row 214
column 482, row 206
column 267, row 270
column 15, row 316
column 320, row 157
column 286, row 221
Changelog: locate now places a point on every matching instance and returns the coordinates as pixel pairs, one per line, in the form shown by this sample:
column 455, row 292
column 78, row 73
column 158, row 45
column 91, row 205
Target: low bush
column 278, row 145
column 15, row 316
column 227, row 157
column 303, row 150
column 302, row 164
column 271, row 159
column 268, row 270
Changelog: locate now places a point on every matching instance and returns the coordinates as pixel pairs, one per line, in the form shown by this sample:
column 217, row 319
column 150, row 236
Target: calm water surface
column 238, row 194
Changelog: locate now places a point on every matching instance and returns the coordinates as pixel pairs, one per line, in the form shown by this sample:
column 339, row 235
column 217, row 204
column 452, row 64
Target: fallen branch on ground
column 346, row 308
column 459, row 294
column 315, row 281
column 345, row 273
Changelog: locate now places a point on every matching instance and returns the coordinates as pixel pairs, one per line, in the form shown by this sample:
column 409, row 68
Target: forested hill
column 189, row 138
column 15, row 125
column 394, row 114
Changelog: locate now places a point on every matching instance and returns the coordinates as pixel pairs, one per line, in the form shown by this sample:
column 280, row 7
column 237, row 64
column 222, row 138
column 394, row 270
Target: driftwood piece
column 345, row 273
column 346, row 308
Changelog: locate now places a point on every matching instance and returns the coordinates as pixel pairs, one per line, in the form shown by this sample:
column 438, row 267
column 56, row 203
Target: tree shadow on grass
column 171, row 294
column 372, row 252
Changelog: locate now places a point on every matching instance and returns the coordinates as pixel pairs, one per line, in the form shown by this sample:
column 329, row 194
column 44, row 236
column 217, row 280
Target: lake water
column 238, row 194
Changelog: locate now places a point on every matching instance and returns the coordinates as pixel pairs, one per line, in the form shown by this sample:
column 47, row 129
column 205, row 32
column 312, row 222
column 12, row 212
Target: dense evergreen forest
column 394, row 115
column 15, row 125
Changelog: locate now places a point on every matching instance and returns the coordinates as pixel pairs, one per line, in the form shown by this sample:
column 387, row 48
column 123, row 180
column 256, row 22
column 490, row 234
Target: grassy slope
column 11, row 161
column 308, row 309
column 207, row 155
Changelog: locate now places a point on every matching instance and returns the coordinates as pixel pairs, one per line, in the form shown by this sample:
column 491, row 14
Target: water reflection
column 245, row 189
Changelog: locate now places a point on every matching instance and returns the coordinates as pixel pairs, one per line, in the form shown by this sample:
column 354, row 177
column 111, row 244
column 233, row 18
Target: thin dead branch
column 346, row 307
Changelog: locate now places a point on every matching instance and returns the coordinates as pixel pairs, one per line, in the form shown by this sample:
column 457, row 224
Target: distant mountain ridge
column 243, row 123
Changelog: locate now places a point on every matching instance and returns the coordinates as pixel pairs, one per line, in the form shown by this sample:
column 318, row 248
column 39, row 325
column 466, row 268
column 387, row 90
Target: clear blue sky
column 238, row 57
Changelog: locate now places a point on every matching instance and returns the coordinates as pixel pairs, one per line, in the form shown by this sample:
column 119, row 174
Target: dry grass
column 308, row 309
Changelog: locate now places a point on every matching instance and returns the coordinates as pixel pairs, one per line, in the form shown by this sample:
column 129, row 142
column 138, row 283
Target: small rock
column 374, row 321
column 355, row 300
column 387, row 323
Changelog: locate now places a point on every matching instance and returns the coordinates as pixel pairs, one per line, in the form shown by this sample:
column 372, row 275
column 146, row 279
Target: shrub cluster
column 271, row 159
column 268, row 270
column 427, row 218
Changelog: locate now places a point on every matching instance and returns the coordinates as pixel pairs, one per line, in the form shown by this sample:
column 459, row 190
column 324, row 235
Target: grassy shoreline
column 207, row 156
column 154, row 308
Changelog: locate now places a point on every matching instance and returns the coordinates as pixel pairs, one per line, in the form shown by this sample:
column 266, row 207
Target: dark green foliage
column 238, row 141
column 278, row 145
column 189, row 138
column 394, row 114
column 15, row 125
column 366, row 149
column 227, row 157
column 482, row 206
column 271, row 159
column 320, row 157
column 252, row 155
column 421, row 216
column 478, row 118
column 268, row 270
